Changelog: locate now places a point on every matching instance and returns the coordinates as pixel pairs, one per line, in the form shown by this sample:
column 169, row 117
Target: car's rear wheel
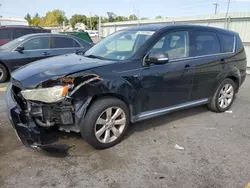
column 105, row 123
column 223, row 97
column 3, row 73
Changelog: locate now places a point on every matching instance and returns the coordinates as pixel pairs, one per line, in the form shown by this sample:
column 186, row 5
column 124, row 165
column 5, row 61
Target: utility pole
column 133, row 13
column 99, row 28
column 90, row 21
column 215, row 8
column 228, row 5
column 0, row 15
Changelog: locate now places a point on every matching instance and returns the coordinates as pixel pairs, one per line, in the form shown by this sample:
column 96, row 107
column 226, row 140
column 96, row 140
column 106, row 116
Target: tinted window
column 205, row 43
column 63, row 42
column 175, row 44
column 239, row 44
column 6, row 34
column 227, row 43
column 21, row 32
column 37, row 43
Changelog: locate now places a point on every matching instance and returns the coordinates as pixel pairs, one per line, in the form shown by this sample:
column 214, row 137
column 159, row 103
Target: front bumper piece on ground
column 27, row 131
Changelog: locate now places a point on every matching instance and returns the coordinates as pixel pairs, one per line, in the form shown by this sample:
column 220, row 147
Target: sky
column 146, row 8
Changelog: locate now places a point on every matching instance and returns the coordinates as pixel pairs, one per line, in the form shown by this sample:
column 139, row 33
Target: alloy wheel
column 1, row 73
column 110, row 124
column 226, row 96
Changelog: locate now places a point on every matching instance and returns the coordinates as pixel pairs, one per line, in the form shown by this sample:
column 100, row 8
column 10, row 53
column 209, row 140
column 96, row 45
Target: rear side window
column 21, row 32
column 63, row 42
column 227, row 43
column 205, row 43
column 6, row 34
column 37, row 43
column 239, row 45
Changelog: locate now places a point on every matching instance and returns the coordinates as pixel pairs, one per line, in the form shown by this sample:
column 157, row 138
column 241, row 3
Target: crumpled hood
column 31, row 75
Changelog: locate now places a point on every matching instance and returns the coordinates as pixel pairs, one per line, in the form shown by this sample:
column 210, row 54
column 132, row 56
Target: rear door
column 35, row 48
column 60, row 45
column 206, row 50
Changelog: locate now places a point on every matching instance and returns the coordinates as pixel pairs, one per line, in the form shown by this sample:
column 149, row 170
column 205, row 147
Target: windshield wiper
column 94, row 56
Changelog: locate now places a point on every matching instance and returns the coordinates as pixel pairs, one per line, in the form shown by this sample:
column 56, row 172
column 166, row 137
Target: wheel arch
column 232, row 73
column 112, row 95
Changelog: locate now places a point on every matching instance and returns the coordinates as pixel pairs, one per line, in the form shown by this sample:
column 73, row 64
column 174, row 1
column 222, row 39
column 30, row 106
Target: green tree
column 78, row 18
column 28, row 18
column 60, row 16
column 133, row 17
column 158, row 17
column 111, row 16
column 36, row 20
column 94, row 22
column 121, row 18
column 144, row 18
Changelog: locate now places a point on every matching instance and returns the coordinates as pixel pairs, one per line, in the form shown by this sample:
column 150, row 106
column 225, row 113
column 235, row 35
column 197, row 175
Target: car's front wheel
column 105, row 123
column 3, row 73
column 223, row 97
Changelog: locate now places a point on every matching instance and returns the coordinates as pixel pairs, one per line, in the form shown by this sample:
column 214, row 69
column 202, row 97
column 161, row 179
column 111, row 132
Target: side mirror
column 157, row 58
column 19, row 49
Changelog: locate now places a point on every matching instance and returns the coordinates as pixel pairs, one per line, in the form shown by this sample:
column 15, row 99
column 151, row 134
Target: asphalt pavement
column 216, row 153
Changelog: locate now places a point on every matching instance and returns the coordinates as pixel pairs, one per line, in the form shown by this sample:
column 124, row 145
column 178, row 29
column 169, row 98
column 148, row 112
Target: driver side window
column 37, row 43
column 176, row 44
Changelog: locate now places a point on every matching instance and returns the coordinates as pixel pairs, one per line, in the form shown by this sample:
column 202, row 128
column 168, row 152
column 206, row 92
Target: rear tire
column 105, row 123
column 3, row 73
column 223, row 97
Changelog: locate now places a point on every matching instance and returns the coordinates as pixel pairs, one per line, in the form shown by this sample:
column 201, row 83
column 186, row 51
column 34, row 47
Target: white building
column 13, row 21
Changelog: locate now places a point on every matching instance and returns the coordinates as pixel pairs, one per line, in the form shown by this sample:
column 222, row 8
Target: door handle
column 46, row 53
column 187, row 66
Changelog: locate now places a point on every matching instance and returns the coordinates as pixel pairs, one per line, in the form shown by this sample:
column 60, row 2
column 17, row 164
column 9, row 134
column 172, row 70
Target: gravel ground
column 216, row 154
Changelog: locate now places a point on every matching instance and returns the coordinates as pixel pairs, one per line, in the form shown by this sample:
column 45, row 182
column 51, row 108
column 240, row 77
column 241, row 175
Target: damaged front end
column 33, row 112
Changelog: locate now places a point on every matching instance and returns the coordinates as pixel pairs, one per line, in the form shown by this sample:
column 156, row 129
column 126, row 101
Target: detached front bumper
column 27, row 131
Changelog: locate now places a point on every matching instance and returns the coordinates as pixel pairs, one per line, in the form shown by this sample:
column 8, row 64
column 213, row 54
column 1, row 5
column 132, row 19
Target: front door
column 164, row 86
column 34, row 49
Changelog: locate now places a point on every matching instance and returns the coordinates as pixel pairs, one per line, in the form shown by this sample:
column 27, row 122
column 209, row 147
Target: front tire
column 3, row 73
column 223, row 97
column 105, row 123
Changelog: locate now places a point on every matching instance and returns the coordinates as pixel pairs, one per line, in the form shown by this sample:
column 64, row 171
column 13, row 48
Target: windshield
column 119, row 46
column 12, row 44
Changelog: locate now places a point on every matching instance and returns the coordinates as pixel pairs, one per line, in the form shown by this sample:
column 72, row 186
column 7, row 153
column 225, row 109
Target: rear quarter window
column 6, row 34
column 239, row 45
column 19, row 32
column 227, row 43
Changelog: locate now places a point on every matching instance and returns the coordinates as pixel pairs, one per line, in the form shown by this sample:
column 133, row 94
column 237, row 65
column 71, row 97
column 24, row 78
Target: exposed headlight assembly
column 47, row 95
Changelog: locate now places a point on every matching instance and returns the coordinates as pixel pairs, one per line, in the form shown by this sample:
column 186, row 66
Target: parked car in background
column 32, row 47
column 132, row 75
column 11, row 32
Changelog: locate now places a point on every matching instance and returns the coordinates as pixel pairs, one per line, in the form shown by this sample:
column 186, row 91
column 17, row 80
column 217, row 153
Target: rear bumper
column 26, row 129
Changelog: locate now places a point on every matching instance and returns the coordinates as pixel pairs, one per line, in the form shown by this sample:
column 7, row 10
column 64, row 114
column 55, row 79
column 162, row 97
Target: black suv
column 132, row 75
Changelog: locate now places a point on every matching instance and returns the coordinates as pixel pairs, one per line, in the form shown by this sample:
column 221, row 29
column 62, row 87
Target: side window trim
column 29, row 40
column 80, row 46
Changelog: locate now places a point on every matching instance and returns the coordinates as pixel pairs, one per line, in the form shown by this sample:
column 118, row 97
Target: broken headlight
column 47, row 95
